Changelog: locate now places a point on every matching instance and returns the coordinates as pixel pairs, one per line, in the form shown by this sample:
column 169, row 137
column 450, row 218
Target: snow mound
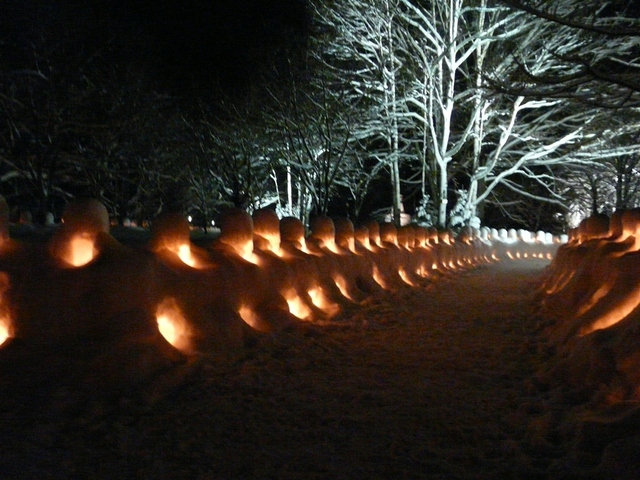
column 590, row 297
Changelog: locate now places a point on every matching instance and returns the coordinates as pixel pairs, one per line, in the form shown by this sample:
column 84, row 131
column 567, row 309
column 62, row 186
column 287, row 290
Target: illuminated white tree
column 363, row 50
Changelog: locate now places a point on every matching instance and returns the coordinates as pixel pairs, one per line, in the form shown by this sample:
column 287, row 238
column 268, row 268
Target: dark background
column 192, row 47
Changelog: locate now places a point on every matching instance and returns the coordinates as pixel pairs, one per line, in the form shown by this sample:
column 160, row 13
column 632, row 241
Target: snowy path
column 423, row 383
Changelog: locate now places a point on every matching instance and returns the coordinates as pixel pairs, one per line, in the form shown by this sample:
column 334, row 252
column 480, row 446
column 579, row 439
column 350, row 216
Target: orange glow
column 296, row 306
column 5, row 330
column 246, row 252
column 184, row 252
column 252, row 258
column 560, row 283
column 613, row 316
column 366, row 243
column 303, row 246
column 405, row 277
column 81, row 250
column 173, row 325
column 331, row 246
column 601, row 292
column 274, row 242
column 341, row 283
column 319, row 299
column 250, row 317
column 378, row 278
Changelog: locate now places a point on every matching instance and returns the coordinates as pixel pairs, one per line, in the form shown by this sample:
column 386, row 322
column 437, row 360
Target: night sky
column 196, row 46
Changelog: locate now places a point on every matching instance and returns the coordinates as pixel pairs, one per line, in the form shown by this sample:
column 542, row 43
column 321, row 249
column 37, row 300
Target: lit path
column 424, row 383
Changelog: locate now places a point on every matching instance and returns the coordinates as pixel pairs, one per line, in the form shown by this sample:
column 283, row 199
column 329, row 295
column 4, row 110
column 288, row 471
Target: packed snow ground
column 436, row 381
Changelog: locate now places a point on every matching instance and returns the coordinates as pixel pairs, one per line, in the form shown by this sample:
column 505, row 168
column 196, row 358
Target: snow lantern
column 388, row 233
column 434, row 238
column 292, row 233
column 485, row 232
column 631, row 225
column 361, row 235
column 374, row 232
column 266, row 230
column 344, row 234
column 615, row 225
column 548, row 238
column 323, row 233
column 83, row 222
column 465, row 235
column 6, row 327
column 170, row 235
column 444, row 237
column 236, row 231
column 406, row 236
column 420, row 237
column 597, row 226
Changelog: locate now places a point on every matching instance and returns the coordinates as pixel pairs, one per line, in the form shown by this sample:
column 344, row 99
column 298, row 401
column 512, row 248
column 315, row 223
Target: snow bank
column 129, row 312
column 590, row 298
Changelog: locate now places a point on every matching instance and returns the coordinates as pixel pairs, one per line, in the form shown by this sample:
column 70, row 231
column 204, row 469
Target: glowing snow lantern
column 250, row 317
column 433, row 236
column 406, row 236
column 323, row 232
column 81, row 250
column 320, row 299
column 171, row 233
column 389, row 233
column 5, row 329
column 83, row 222
column 173, row 325
column 236, row 228
column 292, row 233
column 374, row 232
column 361, row 235
column 266, row 226
column 296, row 306
column 405, row 277
column 345, row 234
column 379, row 278
column 184, row 253
column 466, row 235
column 420, row 237
column 342, row 285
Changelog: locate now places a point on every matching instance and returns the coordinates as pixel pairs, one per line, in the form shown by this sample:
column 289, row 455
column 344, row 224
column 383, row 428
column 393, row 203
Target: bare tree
column 362, row 50
column 312, row 128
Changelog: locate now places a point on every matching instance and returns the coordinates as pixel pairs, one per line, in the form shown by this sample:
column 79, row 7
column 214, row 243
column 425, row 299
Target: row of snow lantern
column 312, row 274
column 592, row 283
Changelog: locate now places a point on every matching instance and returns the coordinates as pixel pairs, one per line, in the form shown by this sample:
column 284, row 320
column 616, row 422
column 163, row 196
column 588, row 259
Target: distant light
column 190, row 218
column 213, row 222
